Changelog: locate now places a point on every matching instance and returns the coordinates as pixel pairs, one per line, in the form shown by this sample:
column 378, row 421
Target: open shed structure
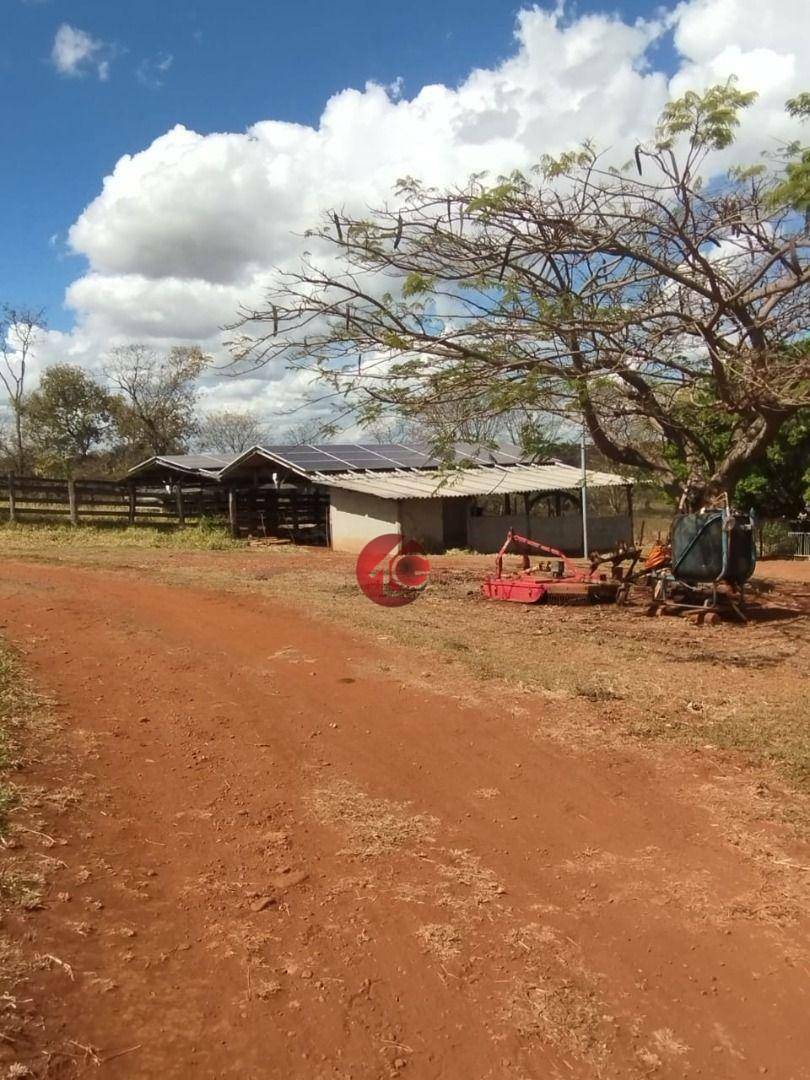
column 346, row 494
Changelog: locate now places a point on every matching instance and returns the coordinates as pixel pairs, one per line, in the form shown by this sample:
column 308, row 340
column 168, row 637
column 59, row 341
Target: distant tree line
column 143, row 403
column 146, row 402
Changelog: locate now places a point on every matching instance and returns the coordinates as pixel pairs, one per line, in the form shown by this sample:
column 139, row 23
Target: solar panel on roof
column 383, row 457
column 309, row 458
column 197, row 461
column 414, row 456
column 361, row 460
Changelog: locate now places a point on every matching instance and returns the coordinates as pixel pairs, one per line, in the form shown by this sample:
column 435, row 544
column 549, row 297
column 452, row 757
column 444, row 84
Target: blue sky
column 231, row 65
column 162, row 161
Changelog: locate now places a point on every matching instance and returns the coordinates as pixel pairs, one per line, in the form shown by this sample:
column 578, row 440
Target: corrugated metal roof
column 497, row 472
column 483, row 480
column 209, row 465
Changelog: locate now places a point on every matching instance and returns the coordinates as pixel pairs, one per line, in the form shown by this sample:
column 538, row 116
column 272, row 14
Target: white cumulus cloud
column 76, row 53
column 185, row 230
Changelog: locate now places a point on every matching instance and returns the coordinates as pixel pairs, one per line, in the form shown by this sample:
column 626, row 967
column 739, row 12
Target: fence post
column 12, row 502
column 181, row 513
column 232, row 512
column 71, row 492
column 131, row 497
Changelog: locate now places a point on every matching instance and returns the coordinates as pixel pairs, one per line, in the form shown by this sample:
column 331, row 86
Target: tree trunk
column 698, row 493
column 707, row 490
column 20, row 455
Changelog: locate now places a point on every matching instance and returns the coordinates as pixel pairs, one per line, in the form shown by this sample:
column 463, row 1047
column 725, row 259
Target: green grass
column 41, row 538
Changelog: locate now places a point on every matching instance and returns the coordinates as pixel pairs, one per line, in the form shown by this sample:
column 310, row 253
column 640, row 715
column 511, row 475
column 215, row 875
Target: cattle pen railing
column 71, row 501
column 297, row 514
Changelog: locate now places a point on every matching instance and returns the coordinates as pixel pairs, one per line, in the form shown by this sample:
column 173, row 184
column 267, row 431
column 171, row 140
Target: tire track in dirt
column 285, row 867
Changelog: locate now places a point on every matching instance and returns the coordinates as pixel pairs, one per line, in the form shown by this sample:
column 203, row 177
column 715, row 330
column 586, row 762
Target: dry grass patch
column 21, row 889
column 20, row 886
column 446, row 878
column 556, row 999
column 468, row 884
column 13, row 969
column 442, row 940
column 667, row 1042
column 600, row 686
column 372, row 826
column 17, row 705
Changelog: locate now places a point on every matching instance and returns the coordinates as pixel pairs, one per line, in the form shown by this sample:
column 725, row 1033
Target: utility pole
column 584, row 496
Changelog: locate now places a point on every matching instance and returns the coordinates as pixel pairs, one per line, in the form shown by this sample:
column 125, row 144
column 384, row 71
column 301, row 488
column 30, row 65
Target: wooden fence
column 296, row 513
column 299, row 514
column 29, row 498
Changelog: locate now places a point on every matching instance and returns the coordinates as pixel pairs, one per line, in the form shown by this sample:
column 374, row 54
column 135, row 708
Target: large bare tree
column 664, row 306
column 230, row 431
column 155, row 396
column 19, row 330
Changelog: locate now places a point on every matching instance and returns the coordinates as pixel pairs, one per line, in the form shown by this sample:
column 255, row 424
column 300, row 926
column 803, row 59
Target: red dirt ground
column 282, row 867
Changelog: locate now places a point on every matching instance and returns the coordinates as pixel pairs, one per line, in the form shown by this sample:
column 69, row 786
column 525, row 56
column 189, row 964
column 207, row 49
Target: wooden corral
column 300, row 513
column 99, row 502
column 297, row 513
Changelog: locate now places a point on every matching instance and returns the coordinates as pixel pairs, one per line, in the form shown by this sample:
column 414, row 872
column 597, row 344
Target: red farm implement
column 559, row 580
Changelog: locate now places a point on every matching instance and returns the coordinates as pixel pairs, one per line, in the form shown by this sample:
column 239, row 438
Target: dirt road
column 284, row 867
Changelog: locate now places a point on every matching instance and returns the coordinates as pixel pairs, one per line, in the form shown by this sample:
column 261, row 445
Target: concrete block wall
column 354, row 519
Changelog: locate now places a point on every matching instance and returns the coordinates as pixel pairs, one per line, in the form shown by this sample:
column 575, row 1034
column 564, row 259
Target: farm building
column 343, row 495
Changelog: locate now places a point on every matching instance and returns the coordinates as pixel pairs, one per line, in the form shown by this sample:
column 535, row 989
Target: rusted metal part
column 709, row 603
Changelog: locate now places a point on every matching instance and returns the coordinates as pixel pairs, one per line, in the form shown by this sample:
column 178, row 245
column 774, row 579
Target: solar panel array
column 213, row 462
column 345, row 457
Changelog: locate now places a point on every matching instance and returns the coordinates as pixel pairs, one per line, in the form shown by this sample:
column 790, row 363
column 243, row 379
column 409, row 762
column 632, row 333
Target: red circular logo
column 391, row 570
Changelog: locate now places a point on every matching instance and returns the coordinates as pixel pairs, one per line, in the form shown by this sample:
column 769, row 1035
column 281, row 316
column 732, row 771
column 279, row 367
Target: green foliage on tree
column 709, row 119
column 795, row 188
column 778, row 485
column 67, row 417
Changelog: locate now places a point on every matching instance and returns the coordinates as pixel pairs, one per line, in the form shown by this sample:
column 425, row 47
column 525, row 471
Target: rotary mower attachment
column 560, row 580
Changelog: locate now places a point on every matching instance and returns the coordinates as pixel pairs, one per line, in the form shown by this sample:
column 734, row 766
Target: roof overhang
column 483, row 480
column 207, row 466
column 260, row 455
